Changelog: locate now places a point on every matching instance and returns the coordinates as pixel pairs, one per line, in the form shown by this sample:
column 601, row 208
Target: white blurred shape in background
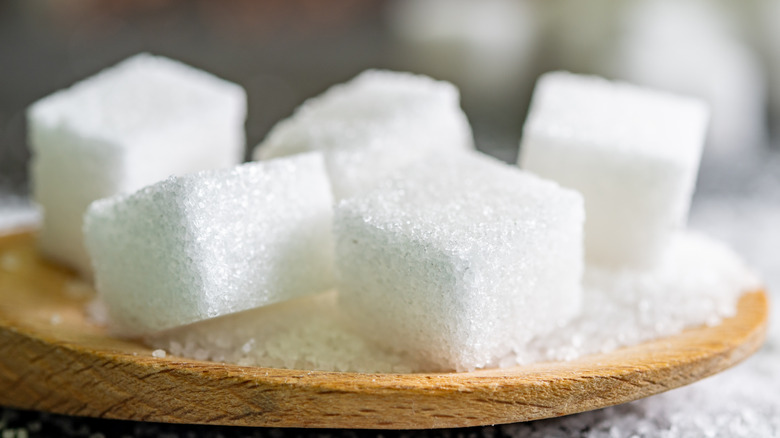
column 769, row 38
column 484, row 46
column 689, row 47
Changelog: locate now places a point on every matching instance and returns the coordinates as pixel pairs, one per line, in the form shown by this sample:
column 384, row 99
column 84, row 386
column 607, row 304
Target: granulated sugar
column 698, row 282
column 307, row 333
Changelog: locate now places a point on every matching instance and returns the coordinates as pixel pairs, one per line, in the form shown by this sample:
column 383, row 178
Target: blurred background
column 283, row 51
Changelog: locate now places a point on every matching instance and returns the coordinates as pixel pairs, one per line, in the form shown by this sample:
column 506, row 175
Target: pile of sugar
column 306, row 333
column 699, row 282
column 444, row 259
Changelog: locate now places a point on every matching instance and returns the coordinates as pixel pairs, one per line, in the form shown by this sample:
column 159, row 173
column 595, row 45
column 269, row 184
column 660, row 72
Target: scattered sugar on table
column 211, row 243
column 378, row 122
column 129, row 126
column 632, row 152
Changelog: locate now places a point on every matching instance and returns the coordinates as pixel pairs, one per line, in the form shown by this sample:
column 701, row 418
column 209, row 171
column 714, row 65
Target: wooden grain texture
column 52, row 359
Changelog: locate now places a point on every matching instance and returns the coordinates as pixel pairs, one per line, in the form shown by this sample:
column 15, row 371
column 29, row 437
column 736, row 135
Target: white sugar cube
column 376, row 123
column 211, row 243
column 129, row 126
column 460, row 263
column 633, row 153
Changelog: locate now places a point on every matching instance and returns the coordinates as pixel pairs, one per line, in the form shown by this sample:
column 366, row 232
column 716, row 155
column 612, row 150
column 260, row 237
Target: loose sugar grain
column 305, row 333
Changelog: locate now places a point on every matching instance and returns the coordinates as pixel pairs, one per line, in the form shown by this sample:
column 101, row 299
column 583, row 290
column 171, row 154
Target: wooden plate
column 52, row 359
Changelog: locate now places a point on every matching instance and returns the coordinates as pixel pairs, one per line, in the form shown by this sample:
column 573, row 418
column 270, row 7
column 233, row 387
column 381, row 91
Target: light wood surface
column 52, row 359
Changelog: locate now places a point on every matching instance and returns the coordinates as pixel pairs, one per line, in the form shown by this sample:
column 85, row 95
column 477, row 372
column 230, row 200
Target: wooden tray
column 52, row 359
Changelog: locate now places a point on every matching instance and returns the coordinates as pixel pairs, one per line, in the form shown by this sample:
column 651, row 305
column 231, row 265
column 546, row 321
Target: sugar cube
column 376, row 123
column 460, row 263
column 129, row 126
column 211, row 243
column 633, row 153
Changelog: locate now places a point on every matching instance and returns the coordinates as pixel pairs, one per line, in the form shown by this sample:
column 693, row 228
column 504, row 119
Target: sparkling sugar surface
column 211, row 243
column 462, row 262
column 129, row 126
column 374, row 124
column 632, row 152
